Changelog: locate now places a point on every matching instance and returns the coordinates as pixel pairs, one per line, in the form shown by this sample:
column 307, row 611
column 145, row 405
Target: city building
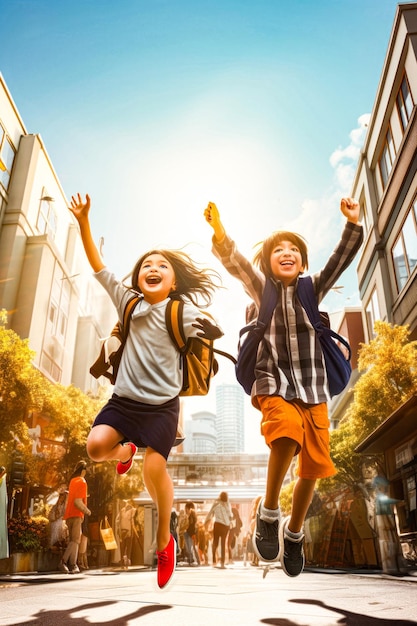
column 200, row 433
column 230, row 424
column 386, row 185
column 45, row 281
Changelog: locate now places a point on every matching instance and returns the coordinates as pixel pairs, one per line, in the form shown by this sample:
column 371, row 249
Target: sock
column 269, row 515
column 294, row 536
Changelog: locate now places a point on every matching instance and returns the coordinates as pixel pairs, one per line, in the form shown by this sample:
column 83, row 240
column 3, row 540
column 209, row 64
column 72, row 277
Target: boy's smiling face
column 286, row 262
column 156, row 278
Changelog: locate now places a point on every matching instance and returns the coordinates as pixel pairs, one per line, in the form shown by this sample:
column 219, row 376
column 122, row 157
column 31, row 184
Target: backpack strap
column 127, row 314
column 268, row 303
column 307, row 297
column 175, row 326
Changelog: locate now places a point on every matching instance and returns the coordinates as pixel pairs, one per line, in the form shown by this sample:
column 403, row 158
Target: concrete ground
column 207, row 596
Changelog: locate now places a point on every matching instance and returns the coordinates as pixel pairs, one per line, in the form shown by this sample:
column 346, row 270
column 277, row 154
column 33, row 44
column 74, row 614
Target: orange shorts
column 307, row 424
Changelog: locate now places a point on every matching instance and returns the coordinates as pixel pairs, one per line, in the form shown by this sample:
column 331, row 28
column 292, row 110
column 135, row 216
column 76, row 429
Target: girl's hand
column 209, row 330
column 212, row 215
column 79, row 208
column 350, row 209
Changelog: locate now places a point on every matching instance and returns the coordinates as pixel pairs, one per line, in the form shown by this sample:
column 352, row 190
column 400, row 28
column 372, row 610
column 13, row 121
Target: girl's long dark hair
column 191, row 281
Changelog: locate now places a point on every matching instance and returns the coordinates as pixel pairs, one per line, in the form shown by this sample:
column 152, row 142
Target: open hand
column 78, row 207
column 209, row 330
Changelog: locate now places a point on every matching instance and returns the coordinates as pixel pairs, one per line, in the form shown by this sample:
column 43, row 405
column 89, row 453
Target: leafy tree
column 389, row 366
column 20, row 386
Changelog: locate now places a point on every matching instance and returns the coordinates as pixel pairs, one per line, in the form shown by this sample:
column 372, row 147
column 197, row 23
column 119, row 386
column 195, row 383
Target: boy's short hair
column 262, row 257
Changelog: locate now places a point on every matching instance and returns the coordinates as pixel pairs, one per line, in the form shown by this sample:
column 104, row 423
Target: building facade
column 230, row 417
column 46, row 285
column 386, row 186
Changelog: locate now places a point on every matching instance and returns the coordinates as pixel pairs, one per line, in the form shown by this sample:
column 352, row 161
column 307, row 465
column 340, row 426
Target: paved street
column 205, row 596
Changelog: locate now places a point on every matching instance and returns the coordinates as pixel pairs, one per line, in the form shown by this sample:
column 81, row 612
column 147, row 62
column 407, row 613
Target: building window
column 364, row 216
column 47, row 219
column 404, row 103
column 7, row 155
column 387, row 158
column 372, row 314
column 404, row 251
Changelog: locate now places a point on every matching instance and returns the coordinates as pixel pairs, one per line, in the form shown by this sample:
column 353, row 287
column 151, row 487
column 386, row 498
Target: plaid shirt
column 290, row 362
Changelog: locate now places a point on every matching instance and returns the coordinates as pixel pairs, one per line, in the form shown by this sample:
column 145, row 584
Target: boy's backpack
column 197, row 354
column 250, row 337
column 338, row 367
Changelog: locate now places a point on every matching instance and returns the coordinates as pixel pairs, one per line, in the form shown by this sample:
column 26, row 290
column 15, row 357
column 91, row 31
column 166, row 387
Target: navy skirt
column 142, row 424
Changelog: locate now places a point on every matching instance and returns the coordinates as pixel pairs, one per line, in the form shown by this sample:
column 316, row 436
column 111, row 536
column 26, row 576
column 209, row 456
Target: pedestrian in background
column 75, row 510
column 223, row 516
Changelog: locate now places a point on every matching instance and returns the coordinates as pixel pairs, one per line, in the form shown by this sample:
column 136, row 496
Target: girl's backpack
column 197, row 354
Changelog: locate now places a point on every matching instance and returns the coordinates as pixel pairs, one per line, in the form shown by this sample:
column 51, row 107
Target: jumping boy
column 290, row 388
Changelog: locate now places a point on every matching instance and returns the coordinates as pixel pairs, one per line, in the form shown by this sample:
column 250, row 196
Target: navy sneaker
column 292, row 557
column 265, row 538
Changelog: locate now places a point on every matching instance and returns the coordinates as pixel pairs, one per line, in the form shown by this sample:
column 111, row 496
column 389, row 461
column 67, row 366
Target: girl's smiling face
column 286, row 262
column 156, row 278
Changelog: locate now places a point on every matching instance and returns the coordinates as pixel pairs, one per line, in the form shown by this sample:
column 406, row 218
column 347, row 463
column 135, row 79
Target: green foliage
column 285, row 498
column 67, row 412
column 28, row 534
column 389, row 366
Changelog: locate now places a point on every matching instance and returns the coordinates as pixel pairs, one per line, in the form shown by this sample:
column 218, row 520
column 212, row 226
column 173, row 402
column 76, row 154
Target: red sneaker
column 124, row 467
column 167, row 560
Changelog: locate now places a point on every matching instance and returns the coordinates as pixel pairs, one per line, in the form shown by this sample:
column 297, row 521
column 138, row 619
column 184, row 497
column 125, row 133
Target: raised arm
column 80, row 210
column 212, row 215
column 350, row 209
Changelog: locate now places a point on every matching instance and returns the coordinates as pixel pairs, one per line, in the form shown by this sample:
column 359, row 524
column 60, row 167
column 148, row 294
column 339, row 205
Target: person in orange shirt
column 74, row 514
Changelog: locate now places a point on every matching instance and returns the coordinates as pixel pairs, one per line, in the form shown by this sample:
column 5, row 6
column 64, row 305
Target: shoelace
column 293, row 548
column 162, row 556
column 269, row 531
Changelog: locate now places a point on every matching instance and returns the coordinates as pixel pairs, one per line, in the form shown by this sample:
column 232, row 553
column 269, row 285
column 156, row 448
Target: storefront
column 396, row 440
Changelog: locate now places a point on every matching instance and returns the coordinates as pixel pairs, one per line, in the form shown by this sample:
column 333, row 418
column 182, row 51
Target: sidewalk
column 207, row 596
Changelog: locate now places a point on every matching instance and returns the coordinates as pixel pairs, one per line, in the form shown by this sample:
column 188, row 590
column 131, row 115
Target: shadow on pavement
column 67, row 618
column 349, row 618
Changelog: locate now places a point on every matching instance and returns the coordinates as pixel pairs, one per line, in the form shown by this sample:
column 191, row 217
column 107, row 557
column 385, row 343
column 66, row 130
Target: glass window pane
column 391, row 147
column 400, row 265
column 410, row 241
column 7, row 155
column 408, row 102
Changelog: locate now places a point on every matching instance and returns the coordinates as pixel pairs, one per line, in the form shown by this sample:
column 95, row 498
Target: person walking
column 190, row 535
column 75, row 510
column 125, row 526
column 234, row 532
column 144, row 408
column 291, row 388
column 223, row 516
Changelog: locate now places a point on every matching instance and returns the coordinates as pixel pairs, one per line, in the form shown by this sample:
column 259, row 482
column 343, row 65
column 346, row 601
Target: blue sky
column 155, row 108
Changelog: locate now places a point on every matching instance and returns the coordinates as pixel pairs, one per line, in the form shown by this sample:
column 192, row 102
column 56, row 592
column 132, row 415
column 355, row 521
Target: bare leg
column 280, row 457
column 103, row 444
column 159, row 484
column 301, row 499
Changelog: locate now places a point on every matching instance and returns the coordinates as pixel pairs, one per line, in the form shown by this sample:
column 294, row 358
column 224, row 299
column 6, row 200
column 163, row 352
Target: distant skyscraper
column 200, row 433
column 230, row 418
